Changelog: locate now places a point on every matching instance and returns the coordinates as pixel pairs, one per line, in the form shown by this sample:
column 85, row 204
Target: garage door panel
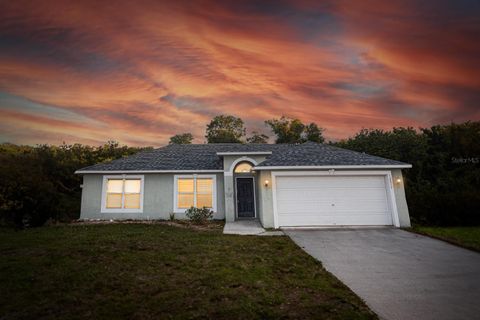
column 307, row 206
column 332, row 200
column 360, row 183
column 355, row 193
column 359, row 205
column 305, row 220
column 331, row 182
column 366, row 193
column 303, row 195
column 294, row 183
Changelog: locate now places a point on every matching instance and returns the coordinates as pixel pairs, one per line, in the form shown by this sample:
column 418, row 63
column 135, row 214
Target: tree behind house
column 257, row 137
column 290, row 130
column 225, row 129
column 313, row 133
column 182, row 138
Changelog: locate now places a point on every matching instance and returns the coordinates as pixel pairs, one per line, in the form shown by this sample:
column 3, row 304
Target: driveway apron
column 400, row 275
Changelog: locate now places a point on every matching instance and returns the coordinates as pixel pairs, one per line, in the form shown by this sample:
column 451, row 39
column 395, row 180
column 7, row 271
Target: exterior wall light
column 266, row 183
column 398, row 181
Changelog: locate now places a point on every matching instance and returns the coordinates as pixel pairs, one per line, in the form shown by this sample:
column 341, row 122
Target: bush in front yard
column 199, row 215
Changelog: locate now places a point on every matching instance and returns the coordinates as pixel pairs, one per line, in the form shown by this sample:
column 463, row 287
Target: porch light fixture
column 266, row 183
column 398, row 181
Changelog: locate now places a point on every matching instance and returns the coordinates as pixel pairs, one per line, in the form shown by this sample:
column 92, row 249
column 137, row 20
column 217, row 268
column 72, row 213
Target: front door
column 245, row 198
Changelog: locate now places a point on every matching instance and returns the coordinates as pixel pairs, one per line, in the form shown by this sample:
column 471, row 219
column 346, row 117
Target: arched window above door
column 243, row 167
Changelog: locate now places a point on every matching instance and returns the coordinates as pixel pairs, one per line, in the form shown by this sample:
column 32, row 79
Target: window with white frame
column 195, row 191
column 122, row 193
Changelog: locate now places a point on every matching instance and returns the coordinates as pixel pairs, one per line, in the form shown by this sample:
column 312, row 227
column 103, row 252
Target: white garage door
column 332, row 200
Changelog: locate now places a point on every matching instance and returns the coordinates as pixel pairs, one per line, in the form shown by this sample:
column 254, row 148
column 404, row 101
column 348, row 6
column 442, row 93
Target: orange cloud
column 139, row 72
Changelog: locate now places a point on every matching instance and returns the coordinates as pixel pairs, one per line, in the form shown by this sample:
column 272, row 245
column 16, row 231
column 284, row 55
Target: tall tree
column 225, row 129
column 182, row 138
column 257, row 137
column 314, row 133
column 290, row 130
column 287, row 130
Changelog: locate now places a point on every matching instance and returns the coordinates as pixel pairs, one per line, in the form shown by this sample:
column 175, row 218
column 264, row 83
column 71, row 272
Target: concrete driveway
column 400, row 275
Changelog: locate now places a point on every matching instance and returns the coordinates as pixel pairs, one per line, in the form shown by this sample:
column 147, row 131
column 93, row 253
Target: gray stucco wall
column 265, row 199
column 157, row 201
column 91, row 197
column 400, row 199
column 159, row 188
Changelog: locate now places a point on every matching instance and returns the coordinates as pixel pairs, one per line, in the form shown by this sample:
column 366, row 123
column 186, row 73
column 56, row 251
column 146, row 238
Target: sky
column 140, row 71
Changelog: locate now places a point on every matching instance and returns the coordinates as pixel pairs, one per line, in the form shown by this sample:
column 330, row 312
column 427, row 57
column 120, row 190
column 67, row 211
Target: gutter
column 326, row 167
column 141, row 171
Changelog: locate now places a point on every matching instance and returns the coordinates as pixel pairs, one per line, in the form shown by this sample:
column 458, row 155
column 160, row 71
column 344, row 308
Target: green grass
column 140, row 271
column 468, row 237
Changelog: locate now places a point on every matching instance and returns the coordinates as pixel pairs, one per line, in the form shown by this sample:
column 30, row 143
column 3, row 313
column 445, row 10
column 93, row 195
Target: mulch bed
column 210, row 225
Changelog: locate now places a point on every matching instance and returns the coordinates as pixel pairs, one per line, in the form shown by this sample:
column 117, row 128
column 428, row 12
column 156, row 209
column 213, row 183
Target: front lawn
column 158, row 271
column 468, row 237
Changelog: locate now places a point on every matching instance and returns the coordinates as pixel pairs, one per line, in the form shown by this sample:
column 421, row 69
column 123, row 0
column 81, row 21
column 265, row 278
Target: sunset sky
column 140, row 71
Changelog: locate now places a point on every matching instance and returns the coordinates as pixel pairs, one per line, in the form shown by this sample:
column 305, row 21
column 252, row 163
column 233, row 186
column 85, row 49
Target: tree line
column 231, row 129
column 37, row 183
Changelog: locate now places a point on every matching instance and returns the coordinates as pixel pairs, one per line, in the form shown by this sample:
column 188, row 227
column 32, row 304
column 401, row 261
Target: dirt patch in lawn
column 210, row 225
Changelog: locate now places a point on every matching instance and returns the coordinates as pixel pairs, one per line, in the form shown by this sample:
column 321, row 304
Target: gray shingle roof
column 319, row 154
column 204, row 157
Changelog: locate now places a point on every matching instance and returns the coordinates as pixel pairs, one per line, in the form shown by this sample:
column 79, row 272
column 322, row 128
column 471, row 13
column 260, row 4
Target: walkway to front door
column 251, row 227
column 245, row 197
column 243, row 227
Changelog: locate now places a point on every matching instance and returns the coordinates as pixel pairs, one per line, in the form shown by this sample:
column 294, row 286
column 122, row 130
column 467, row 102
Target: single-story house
column 281, row 185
